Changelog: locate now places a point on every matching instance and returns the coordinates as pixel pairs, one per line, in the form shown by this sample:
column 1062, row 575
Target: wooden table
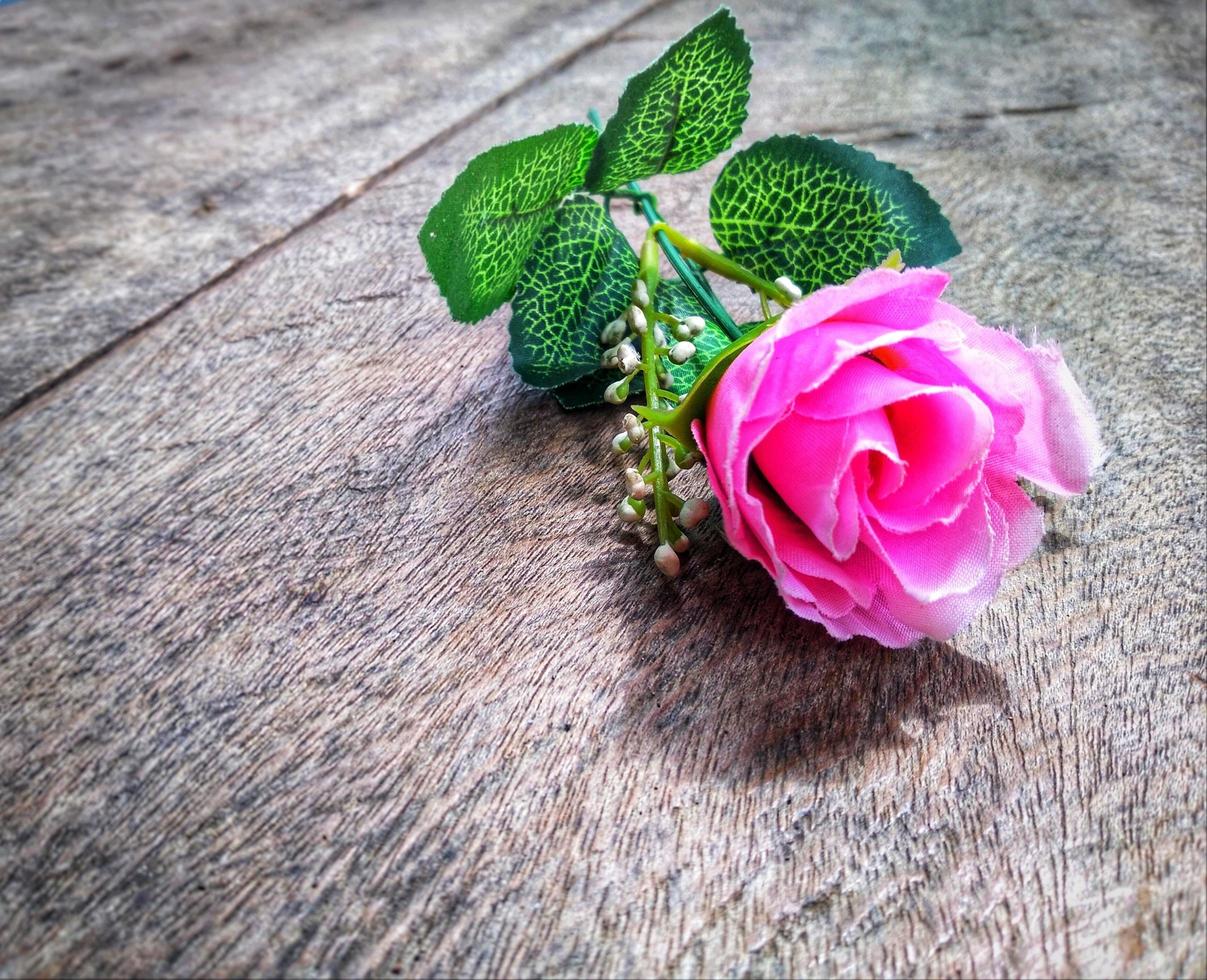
column 321, row 651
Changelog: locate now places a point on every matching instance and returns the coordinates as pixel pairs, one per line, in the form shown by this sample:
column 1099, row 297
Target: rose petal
column 1058, row 446
column 808, row 463
column 942, row 560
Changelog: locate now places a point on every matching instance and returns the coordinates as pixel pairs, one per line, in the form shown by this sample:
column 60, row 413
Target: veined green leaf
column 479, row 233
column 821, row 212
column 578, row 278
column 681, row 111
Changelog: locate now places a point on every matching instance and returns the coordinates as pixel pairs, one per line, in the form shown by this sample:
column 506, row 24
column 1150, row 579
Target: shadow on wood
column 739, row 688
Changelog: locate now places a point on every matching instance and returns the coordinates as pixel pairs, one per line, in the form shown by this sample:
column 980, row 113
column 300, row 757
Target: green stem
column 699, row 287
column 648, row 273
column 721, row 264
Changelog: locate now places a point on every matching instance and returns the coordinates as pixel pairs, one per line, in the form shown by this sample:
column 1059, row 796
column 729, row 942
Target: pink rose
column 866, row 451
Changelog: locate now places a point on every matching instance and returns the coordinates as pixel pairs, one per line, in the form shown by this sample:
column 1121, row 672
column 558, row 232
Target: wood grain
column 323, row 654
column 147, row 148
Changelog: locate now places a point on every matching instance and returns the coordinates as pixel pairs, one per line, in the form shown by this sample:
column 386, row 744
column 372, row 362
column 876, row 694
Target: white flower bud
column 786, row 285
column 694, row 510
column 617, row 392
column 627, row 359
column 681, row 544
column 636, row 485
column 608, row 360
column 683, row 352
column 637, row 319
column 634, row 428
column 659, row 336
column 695, row 326
column 622, row 443
column 664, row 377
column 614, row 332
column 667, row 561
column 682, row 331
column 641, row 295
column 628, row 513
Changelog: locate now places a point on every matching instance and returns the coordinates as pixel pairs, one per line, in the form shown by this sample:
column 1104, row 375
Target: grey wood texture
column 147, row 148
column 324, row 655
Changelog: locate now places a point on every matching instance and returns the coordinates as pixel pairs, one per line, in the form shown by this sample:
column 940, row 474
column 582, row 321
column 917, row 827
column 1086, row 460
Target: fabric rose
column 866, row 451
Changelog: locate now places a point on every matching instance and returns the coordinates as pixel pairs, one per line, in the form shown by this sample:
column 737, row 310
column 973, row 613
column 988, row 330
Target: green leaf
column 477, row 236
column 578, row 278
column 674, row 297
column 681, row 111
column 821, row 212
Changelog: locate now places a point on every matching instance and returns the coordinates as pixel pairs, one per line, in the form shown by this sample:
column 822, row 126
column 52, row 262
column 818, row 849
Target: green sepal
column 681, row 111
column 588, row 392
column 479, row 233
column 821, row 212
column 577, row 278
column 694, row 405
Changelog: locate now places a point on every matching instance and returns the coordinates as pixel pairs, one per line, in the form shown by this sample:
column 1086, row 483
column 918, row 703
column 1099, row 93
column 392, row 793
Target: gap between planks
column 27, row 401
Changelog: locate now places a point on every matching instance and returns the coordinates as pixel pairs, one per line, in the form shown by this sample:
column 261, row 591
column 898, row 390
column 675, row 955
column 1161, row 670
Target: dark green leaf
column 589, row 391
column 577, row 278
column 681, row 111
column 477, row 236
column 822, row 212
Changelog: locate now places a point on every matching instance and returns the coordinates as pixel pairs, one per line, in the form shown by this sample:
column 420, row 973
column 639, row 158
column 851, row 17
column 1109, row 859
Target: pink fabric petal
column 942, row 560
column 808, row 463
column 1058, row 446
column 880, row 491
column 1024, row 521
column 942, row 617
column 944, row 437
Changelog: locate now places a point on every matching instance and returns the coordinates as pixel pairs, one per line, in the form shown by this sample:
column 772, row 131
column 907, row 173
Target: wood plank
column 145, row 148
column 323, row 654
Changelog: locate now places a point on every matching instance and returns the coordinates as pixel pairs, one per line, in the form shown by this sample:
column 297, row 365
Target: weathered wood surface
column 322, row 653
column 147, row 149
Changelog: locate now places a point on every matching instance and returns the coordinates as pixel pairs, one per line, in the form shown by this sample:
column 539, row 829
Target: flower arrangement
column 863, row 438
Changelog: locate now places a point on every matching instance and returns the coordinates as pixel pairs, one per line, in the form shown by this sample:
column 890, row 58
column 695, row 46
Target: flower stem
column 648, row 273
column 720, row 264
column 699, row 286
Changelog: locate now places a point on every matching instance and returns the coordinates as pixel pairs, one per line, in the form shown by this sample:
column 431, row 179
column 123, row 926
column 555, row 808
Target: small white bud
column 694, row 510
column 681, row 544
column 659, row 336
column 641, row 295
column 609, row 359
column 613, row 333
column 633, row 428
column 695, row 325
column 682, row 331
column 664, row 377
column 627, row 512
column 786, row 285
column 617, row 392
column 667, row 561
column 637, row 319
column 683, row 352
column 627, row 359
column 636, row 485
column 622, row 443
